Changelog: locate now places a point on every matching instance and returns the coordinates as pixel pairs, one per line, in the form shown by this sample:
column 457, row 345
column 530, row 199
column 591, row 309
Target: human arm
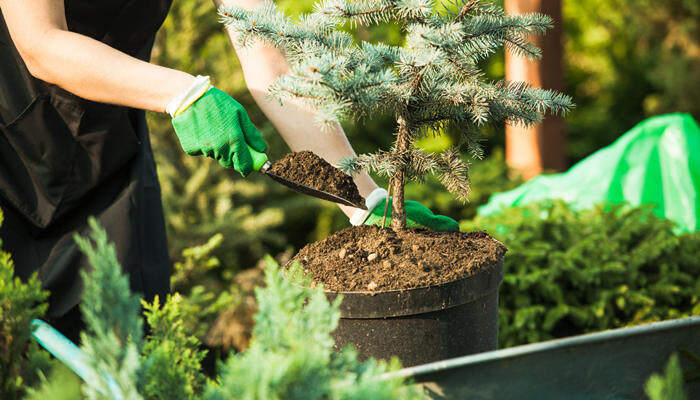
column 84, row 66
column 206, row 120
column 294, row 120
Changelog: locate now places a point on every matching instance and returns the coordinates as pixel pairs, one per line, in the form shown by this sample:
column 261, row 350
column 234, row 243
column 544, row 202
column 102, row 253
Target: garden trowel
column 262, row 164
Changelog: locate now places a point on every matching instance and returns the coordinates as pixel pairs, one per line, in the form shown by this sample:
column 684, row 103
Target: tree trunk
column 398, row 209
column 531, row 150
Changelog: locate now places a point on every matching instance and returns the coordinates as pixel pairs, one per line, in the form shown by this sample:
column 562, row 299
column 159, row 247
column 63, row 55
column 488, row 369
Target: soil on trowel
column 313, row 171
column 370, row 258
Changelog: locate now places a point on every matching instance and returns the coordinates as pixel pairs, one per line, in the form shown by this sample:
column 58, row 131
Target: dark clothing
column 64, row 158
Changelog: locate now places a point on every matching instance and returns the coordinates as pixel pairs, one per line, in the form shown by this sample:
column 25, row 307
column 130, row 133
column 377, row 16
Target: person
column 74, row 83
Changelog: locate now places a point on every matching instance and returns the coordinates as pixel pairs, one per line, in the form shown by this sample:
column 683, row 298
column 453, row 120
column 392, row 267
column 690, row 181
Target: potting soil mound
column 370, row 258
column 313, row 171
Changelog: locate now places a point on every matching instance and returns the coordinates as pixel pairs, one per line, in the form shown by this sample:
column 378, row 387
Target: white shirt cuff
column 180, row 102
column 371, row 202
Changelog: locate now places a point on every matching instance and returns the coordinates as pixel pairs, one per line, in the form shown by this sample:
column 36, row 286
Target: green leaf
column 668, row 386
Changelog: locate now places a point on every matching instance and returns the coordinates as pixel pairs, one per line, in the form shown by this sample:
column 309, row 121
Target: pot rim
column 425, row 299
column 375, row 292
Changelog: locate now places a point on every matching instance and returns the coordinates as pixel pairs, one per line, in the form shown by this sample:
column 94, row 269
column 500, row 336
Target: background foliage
column 668, row 386
column 21, row 362
column 569, row 272
column 627, row 60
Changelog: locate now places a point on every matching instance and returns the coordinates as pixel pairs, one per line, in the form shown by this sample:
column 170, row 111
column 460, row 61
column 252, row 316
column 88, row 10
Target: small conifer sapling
column 430, row 83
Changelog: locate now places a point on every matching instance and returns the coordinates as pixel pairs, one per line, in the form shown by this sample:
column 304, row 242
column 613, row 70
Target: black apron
column 64, row 158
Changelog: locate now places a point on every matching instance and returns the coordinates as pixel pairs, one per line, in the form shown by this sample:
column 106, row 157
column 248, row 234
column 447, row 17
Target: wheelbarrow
column 612, row 364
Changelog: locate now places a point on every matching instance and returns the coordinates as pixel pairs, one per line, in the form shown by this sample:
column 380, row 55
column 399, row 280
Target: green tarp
column 657, row 162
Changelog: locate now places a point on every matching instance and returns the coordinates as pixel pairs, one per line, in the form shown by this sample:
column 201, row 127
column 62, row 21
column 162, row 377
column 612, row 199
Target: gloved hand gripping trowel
column 209, row 122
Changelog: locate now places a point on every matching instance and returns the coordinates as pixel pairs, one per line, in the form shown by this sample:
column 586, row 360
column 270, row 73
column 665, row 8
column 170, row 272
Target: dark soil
column 370, row 258
column 313, row 171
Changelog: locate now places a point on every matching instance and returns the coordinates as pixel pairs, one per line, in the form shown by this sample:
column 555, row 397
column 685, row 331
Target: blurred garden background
column 567, row 271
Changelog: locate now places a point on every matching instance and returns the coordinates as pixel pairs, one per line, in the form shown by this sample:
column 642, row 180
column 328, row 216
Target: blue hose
column 71, row 356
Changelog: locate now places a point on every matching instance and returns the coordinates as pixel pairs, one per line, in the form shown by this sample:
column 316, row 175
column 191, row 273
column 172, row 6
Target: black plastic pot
column 425, row 324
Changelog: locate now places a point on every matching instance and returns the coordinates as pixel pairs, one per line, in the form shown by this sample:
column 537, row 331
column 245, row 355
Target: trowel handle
column 259, row 159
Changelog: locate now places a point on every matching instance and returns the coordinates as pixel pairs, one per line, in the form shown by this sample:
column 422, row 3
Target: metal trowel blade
column 309, row 191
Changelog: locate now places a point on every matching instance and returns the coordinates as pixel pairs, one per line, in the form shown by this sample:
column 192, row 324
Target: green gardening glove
column 217, row 126
column 417, row 215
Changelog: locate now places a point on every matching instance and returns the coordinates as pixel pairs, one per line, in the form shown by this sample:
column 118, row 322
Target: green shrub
column 60, row 383
column 290, row 356
column 171, row 361
column 114, row 329
column 21, row 361
column 668, row 386
column 569, row 272
column 203, row 296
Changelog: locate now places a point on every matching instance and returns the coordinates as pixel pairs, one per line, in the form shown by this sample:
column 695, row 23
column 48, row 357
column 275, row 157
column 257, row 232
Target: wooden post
column 529, row 151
